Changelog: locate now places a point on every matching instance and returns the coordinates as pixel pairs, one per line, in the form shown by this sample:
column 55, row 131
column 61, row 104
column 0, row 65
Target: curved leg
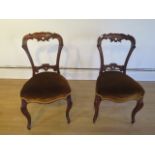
column 26, row 113
column 69, row 106
column 96, row 106
column 138, row 106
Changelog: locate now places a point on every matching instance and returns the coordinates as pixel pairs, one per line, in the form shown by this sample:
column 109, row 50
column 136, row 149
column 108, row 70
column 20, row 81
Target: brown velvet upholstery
column 45, row 87
column 112, row 83
column 118, row 87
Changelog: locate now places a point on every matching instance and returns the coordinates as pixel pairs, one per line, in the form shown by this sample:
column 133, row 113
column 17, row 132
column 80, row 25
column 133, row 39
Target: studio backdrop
column 80, row 57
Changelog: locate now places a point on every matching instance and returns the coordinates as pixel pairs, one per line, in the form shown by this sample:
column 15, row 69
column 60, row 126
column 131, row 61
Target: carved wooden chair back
column 115, row 37
column 117, row 86
column 42, row 36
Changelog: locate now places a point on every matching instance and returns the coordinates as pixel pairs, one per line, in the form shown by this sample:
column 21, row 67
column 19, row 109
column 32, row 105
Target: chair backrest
column 43, row 36
column 115, row 37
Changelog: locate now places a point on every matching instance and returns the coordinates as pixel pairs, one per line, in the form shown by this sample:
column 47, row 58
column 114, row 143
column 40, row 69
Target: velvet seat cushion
column 45, row 87
column 118, row 87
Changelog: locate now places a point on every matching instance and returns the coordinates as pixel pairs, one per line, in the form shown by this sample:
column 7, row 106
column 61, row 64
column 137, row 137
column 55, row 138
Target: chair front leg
column 26, row 113
column 69, row 106
column 138, row 106
column 96, row 106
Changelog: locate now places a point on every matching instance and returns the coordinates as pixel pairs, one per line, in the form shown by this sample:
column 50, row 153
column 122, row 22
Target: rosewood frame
column 115, row 37
column 26, row 113
column 43, row 36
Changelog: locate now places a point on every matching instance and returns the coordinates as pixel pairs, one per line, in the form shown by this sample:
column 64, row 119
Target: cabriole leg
column 69, row 106
column 138, row 106
column 96, row 106
column 26, row 113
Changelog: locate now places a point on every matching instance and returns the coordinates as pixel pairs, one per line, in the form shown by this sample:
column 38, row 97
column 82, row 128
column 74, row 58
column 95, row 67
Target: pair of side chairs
column 112, row 83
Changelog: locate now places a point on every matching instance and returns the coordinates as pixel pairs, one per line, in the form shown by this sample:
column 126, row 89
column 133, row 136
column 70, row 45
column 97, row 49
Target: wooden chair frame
column 43, row 36
column 115, row 37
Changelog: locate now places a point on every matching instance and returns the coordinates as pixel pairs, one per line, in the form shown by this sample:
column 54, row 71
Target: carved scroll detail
column 115, row 37
column 46, row 67
column 113, row 66
column 43, row 36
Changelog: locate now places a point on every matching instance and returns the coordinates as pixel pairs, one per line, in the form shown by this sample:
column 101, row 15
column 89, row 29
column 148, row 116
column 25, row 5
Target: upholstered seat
column 112, row 83
column 45, row 87
column 116, row 86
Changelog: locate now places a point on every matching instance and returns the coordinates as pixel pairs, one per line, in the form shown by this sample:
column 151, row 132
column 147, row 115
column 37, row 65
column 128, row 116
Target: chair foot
column 26, row 113
column 69, row 106
column 138, row 107
column 96, row 106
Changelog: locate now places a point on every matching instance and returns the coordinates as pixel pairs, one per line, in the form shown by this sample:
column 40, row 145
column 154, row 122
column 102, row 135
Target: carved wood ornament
column 115, row 37
column 43, row 36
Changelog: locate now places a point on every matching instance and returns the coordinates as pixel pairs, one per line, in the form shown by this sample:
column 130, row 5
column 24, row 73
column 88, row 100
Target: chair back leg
column 69, row 106
column 96, row 106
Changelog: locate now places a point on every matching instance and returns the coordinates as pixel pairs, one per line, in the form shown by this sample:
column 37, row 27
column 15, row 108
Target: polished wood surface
column 115, row 37
column 43, row 36
column 49, row 119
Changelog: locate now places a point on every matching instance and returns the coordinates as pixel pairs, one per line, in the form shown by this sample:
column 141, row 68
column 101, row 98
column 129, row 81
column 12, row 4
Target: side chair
column 113, row 83
column 47, row 86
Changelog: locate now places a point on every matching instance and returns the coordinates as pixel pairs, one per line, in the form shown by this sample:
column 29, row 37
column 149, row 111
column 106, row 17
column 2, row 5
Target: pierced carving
column 43, row 36
column 113, row 66
column 115, row 37
column 46, row 67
